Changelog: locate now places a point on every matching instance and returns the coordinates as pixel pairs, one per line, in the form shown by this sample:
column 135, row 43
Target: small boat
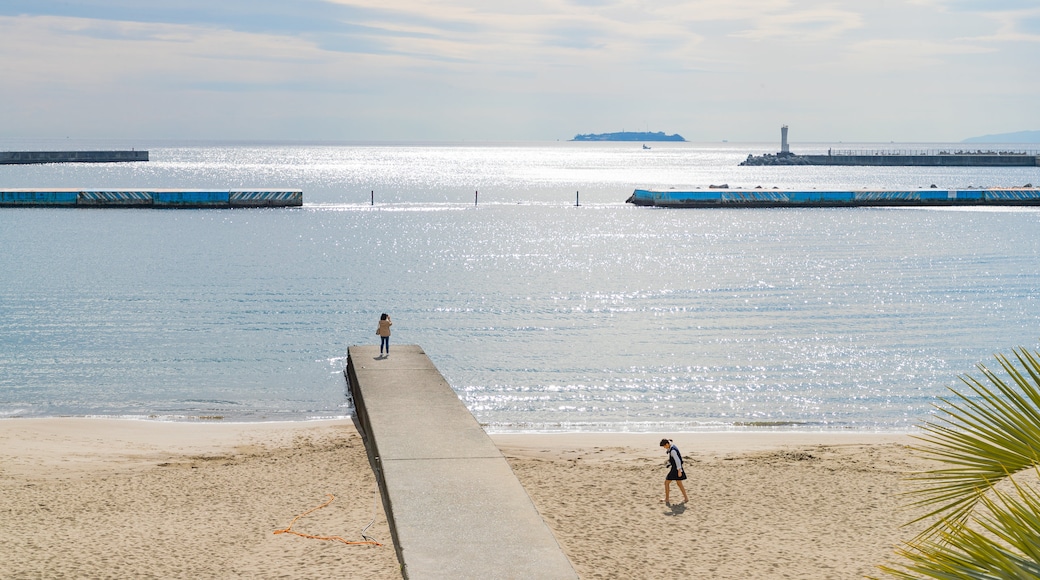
column 644, row 146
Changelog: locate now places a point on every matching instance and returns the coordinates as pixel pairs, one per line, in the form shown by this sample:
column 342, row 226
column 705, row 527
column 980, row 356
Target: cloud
column 986, row 6
column 889, row 55
column 1016, row 20
column 508, row 69
column 259, row 16
column 823, row 24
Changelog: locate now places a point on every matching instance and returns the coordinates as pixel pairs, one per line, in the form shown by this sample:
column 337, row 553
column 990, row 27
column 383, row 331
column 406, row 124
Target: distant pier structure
column 155, row 198
column 31, row 157
column 719, row 197
column 927, row 158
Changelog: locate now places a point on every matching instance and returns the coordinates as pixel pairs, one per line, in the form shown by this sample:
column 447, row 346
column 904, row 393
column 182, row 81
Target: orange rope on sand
column 289, row 530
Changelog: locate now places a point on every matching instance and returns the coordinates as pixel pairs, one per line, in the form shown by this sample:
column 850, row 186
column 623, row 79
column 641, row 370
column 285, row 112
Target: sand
column 106, row 498
column 97, row 498
column 761, row 505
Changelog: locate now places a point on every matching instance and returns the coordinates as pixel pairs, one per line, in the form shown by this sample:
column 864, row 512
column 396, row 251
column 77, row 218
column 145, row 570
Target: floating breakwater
column 162, row 198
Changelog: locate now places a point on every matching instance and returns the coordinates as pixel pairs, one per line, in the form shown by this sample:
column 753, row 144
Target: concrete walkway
column 456, row 509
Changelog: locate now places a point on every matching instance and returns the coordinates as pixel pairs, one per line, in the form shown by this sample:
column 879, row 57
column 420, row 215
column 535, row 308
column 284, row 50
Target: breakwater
column 159, row 198
column 864, row 198
column 901, row 159
column 29, row 157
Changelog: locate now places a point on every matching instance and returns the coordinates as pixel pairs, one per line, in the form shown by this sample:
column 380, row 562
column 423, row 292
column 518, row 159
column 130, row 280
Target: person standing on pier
column 384, row 332
column 675, row 471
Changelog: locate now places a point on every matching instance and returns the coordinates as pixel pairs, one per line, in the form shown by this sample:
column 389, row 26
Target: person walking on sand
column 384, row 332
column 675, row 470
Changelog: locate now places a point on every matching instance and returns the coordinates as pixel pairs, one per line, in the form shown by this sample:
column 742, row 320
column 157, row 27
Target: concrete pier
column 157, row 198
column 30, row 157
column 455, row 508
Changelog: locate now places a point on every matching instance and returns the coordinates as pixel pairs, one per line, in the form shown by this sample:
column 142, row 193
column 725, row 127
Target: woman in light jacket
column 384, row 332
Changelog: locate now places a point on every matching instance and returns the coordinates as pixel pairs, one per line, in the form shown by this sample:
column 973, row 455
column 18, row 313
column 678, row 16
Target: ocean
column 548, row 303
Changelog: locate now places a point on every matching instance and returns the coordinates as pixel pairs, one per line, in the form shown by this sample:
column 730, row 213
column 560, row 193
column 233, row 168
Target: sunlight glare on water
column 542, row 315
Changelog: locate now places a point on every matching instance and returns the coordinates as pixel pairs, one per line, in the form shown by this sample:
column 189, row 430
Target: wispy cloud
column 820, row 25
column 510, row 69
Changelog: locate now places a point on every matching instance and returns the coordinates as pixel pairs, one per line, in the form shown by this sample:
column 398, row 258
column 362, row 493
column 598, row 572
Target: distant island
column 1016, row 137
column 628, row 136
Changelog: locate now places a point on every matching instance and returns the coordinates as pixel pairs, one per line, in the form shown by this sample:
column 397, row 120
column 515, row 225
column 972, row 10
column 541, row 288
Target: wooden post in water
column 475, row 193
column 577, row 199
column 373, row 197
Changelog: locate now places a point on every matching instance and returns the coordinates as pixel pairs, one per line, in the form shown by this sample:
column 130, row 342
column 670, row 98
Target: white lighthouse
column 784, row 149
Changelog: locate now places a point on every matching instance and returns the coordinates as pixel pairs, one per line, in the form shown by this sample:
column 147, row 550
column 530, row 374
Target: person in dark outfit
column 675, row 470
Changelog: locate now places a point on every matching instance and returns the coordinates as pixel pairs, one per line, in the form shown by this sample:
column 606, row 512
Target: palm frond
column 983, row 436
column 1015, row 520
column 1006, row 546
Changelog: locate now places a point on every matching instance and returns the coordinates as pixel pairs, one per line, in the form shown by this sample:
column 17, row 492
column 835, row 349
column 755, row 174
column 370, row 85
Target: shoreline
column 491, row 430
column 131, row 498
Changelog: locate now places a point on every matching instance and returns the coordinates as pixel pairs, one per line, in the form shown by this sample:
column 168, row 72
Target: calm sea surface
column 542, row 315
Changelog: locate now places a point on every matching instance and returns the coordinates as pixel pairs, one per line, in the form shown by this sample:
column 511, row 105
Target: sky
column 518, row 70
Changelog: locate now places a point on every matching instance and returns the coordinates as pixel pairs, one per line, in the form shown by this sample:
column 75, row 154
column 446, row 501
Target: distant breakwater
column 909, row 159
column 163, row 198
column 33, row 157
column 736, row 198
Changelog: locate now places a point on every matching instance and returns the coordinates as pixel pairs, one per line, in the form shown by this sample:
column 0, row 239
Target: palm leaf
column 983, row 436
column 1006, row 545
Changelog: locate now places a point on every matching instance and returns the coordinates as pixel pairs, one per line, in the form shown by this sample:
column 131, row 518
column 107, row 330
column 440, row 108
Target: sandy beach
column 101, row 498
column 761, row 505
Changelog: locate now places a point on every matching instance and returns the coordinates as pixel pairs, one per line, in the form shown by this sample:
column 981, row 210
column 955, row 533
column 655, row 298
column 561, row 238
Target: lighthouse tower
column 785, row 150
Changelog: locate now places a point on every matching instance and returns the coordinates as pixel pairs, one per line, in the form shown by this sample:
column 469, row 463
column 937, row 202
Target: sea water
column 545, row 300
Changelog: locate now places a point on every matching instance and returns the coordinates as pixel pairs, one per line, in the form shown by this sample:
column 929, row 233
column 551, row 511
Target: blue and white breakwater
column 724, row 197
column 160, row 198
